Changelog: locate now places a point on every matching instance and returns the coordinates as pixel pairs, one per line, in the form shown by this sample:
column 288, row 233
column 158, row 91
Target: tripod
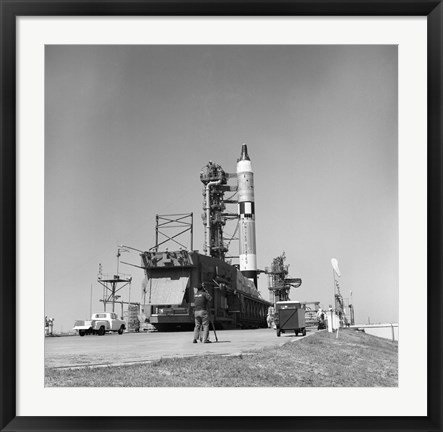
column 213, row 328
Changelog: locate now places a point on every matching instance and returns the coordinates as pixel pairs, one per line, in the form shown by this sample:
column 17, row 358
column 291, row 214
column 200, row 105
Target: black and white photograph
column 221, row 216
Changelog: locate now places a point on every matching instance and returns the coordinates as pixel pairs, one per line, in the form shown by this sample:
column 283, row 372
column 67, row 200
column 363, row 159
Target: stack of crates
column 131, row 317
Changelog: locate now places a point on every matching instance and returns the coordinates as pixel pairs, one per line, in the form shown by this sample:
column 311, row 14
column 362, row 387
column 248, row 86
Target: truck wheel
column 81, row 332
column 304, row 332
column 120, row 330
column 101, row 331
column 296, row 333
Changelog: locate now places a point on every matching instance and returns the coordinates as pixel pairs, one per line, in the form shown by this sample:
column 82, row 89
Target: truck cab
column 101, row 323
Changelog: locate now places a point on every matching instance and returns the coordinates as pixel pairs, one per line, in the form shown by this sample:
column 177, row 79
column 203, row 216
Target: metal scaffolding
column 171, row 227
column 279, row 284
column 215, row 181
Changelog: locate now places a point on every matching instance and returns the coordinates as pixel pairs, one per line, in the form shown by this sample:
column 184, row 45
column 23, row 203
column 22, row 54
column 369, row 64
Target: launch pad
column 171, row 276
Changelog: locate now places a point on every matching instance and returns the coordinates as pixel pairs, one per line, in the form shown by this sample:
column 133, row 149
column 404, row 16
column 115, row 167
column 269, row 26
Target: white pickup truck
column 100, row 323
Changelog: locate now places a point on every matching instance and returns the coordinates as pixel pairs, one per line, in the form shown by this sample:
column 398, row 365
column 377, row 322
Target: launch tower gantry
column 279, row 282
column 215, row 180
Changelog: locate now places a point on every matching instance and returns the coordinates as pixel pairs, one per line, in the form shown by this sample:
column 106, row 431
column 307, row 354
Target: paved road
column 76, row 351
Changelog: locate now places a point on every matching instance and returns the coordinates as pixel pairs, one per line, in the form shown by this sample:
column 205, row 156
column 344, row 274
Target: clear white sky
column 128, row 129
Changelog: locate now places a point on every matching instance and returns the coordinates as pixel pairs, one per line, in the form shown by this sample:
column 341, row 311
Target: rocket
column 246, row 214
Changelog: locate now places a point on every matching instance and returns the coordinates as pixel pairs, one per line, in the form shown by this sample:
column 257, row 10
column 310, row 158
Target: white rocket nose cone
column 244, row 153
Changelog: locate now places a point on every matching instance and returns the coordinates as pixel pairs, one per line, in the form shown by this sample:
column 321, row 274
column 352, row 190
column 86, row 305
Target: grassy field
column 353, row 359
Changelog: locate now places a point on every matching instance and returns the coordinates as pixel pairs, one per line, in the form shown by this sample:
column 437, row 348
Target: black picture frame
column 10, row 9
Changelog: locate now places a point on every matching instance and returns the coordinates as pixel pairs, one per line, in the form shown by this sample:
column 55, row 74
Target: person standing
column 201, row 313
column 270, row 317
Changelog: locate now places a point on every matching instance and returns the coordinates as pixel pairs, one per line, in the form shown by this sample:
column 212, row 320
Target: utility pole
column 90, row 303
column 352, row 310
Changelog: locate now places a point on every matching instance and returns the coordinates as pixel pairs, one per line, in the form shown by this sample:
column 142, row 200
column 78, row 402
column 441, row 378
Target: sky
column 128, row 129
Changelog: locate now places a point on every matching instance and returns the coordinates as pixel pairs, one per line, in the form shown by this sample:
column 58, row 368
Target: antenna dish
column 334, row 264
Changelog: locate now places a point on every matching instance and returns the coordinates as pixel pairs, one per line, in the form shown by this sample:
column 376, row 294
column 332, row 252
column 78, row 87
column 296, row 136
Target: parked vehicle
column 100, row 324
column 170, row 281
column 290, row 315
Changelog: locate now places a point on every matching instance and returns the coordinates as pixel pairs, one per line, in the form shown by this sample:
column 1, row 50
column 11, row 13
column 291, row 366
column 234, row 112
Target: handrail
column 387, row 325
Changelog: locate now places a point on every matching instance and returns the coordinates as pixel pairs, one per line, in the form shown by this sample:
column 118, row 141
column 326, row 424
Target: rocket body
column 246, row 212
